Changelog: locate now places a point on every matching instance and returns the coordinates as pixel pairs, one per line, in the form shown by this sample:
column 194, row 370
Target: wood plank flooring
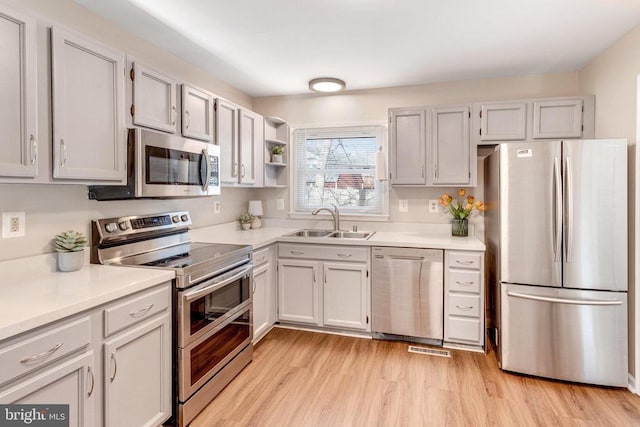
column 311, row 379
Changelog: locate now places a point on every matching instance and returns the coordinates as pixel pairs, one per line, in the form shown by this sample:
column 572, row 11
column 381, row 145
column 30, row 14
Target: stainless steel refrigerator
column 556, row 225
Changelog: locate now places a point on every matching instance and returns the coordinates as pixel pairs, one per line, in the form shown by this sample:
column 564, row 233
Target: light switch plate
column 13, row 224
column 280, row 204
column 433, row 206
column 216, row 207
column 403, row 205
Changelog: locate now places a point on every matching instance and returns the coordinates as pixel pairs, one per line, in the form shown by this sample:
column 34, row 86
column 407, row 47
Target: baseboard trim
column 364, row 335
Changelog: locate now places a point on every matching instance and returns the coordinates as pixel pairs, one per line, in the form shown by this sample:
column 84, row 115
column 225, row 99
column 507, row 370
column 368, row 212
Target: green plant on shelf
column 277, row 149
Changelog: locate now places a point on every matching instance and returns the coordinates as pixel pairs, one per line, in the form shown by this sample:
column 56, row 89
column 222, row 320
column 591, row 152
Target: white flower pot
column 245, row 225
column 277, row 158
column 70, row 261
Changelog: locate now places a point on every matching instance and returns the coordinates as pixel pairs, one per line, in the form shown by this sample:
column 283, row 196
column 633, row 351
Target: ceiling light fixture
column 327, row 84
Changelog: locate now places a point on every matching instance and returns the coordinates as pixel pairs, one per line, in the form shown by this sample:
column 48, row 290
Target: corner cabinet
column 326, row 286
column 264, row 293
column 18, row 91
column 197, row 113
column 464, row 299
column 276, row 133
column 154, row 99
column 88, row 109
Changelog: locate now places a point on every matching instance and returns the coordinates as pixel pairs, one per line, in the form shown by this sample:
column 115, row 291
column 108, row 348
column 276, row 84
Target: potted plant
column 70, row 248
column 245, row 220
column 460, row 210
column 276, row 154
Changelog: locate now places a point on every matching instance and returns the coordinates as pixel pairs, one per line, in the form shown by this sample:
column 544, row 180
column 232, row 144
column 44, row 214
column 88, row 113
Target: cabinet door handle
column 188, row 121
column 93, row 381
column 314, row 275
column 234, row 172
column 422, row 171
column 464, row 262
column 173, row 115
column 465, row 307
column 115, row 367
column 43, row 355
column 296, row 253
column 464, row 283
column 141, row 312
column 242, row 174
column 34, row 149
column 63, row 152
column 344, row 255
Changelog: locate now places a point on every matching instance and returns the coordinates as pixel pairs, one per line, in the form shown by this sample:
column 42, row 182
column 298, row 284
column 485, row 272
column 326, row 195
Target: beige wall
column 51, row 209
column 368, row 106
column 612, row 77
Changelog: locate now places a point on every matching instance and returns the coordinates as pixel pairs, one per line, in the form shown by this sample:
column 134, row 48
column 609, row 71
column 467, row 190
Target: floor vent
column 429, row 351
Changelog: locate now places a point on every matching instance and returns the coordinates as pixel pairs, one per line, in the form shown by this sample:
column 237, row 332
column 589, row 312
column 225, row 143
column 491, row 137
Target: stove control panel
column 130, row 225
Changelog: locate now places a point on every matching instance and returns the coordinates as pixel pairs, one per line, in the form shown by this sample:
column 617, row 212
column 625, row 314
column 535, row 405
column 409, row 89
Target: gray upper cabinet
column 227, row 138
column 407, row 135
column 197, row 113
column 88, row 109
column 557, row 118
column 503, row 121
column 18, row 110
column 154, row 99
column 450, row 146
column 251, row 137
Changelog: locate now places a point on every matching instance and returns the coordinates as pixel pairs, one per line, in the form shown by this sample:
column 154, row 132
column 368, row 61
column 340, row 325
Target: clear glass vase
column 460, row 227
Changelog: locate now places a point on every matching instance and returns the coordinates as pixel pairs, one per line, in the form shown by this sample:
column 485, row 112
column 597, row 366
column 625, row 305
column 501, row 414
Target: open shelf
column 282, row 165
column 276, row 133
column 276, row 142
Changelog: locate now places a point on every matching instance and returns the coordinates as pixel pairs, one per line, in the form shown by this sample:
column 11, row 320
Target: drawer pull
column 115, row 367
column 44, row 354
column 141, row 312
column 93, row 381
column 464, row 262
column 296, row 253
column 465, row 307
column 464, row 283
column 344, row 255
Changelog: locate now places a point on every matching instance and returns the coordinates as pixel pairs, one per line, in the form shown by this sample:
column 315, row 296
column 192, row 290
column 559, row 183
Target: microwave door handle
column 214, row 284
column 207, row 170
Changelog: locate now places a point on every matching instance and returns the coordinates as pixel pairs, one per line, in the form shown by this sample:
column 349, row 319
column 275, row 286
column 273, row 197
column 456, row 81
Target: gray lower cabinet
column 322, row 285
column 264, row 292
column 464, row 298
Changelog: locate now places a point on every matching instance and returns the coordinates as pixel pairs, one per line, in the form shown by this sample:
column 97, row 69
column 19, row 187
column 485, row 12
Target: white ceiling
column 274, row 47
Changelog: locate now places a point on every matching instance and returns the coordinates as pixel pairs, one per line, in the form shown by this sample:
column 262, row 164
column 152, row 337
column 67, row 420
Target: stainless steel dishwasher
column 407, row 294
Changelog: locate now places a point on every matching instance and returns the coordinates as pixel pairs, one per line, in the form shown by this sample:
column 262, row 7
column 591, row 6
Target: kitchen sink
column 310, row 233
column 352, row 234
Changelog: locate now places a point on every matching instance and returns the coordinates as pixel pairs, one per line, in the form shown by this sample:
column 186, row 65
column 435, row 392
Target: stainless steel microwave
column 161, row 165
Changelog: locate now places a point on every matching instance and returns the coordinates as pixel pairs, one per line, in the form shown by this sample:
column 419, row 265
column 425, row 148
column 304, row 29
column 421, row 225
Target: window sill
column 343, row 216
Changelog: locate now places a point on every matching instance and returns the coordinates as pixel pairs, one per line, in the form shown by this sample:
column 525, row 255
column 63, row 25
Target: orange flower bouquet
column 460, row 210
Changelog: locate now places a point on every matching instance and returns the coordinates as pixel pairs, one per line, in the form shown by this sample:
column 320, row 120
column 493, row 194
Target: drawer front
column 29, row 354
column 463, row 305
column 468, row 260
column 122, row 315
column 324, row 252
column 465, row 330
column 463, row 281
column 261, row 256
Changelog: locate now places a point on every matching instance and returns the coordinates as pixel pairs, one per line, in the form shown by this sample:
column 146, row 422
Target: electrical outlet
column 433, row 206
column 13, row 224
column 216, row 207
column 280, row 204
column 403, row 205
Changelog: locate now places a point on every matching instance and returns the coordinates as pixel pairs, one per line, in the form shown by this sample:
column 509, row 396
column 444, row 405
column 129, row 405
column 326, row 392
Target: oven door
column 172, row 166
column 203, row 358
column 204, row 307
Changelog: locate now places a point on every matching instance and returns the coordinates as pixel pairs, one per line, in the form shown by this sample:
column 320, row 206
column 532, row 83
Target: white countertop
column 229, row 233
column 33, row 294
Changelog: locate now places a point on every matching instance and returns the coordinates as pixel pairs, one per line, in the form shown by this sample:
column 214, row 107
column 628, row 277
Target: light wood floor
column 311, row 379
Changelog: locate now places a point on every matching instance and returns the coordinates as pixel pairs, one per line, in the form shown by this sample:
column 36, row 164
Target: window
column 338, row 165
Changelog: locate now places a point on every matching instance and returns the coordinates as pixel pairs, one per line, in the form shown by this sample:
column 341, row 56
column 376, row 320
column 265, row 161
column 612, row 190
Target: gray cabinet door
column 560, row 118
column 251, row 137
column 88, row 109
column 450, row 146
column 197, row 113
column 408, row 143
column 344, row 295
column 298, row 296
column 18, row 110
column 503, row 122
column 154, row 99
column 227, row 139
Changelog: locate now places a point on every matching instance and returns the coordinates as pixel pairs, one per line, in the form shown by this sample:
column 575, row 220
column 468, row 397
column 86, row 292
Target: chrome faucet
column 335, row 213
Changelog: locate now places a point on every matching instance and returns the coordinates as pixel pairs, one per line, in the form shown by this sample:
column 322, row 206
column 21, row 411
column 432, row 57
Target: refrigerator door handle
column 557, row 230
column 563, row 300
column 568, row 244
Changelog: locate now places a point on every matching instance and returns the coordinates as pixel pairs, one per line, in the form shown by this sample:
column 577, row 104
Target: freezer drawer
column 564, row 334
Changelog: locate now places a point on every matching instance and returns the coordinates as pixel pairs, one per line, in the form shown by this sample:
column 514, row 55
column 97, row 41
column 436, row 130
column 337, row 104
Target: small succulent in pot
column 277, row 149
column 245, row 220
column 70, row 241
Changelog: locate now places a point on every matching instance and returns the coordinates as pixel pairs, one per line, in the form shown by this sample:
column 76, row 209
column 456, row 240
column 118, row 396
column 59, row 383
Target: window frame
column 295, row 212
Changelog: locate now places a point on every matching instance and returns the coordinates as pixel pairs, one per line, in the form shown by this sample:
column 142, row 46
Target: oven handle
column 216, row 283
